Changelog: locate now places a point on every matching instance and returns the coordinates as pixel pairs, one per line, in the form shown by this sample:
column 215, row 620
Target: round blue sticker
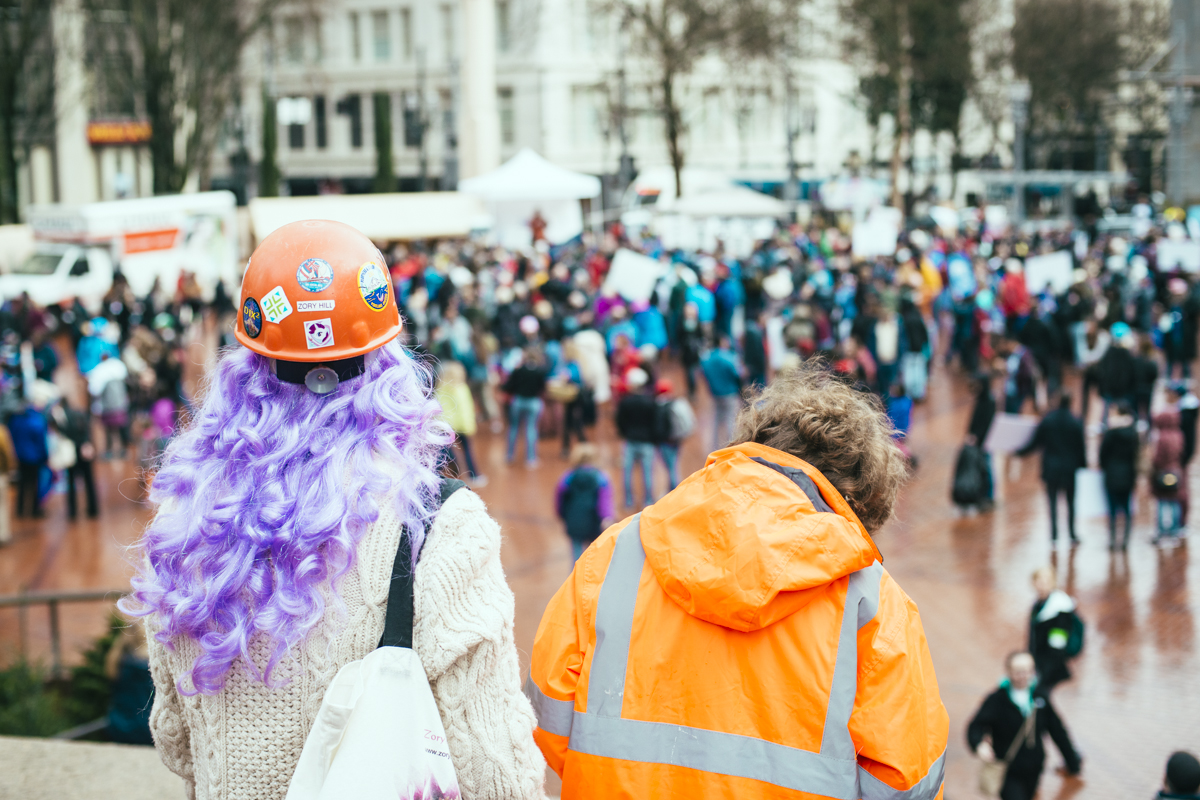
column 251, row 318
column 373, row 286
column 314, row 275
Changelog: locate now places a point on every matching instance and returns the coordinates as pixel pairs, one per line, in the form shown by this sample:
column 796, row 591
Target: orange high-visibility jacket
column 738, row 639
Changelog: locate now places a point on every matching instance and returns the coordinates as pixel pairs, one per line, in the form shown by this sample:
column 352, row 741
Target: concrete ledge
column 53, row 769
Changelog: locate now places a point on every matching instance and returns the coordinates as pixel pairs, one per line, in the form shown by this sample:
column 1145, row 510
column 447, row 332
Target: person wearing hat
column 637, row 424
column 307, row 477
column 1182, row 780
column 1117, row 371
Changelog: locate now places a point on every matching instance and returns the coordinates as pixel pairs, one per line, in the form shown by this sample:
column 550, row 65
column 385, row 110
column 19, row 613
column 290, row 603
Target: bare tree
column 26, row 89
column 673, row 35
column 185, row 69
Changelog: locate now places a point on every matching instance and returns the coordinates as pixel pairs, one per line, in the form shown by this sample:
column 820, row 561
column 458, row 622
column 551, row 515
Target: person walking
column 1055, row 630
column 29, row 430
column 1060, row 438
column 458, row 409
column 723, row 372
column 267, row 566
column 76, row 425
column 1010, row 726
column 982, row 414
column 637, row 424
column 1118, row 461
column 1117, row 370
column 525, row 386
column 640, row 672
column 676, row 421
column 583, row 499
column 1168, row 478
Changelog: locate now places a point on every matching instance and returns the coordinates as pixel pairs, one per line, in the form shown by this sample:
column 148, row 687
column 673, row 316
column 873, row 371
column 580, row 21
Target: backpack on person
column 378, row 733
column 681, row 420
column 581, row 503
column 1073, row 643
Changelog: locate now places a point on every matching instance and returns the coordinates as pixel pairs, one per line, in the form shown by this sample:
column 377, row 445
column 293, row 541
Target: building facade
column 467, row 84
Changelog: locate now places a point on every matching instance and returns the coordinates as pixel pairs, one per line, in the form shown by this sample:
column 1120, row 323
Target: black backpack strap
column 398, row 622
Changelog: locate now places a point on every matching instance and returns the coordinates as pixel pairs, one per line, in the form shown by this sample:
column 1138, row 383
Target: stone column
column 478, row 119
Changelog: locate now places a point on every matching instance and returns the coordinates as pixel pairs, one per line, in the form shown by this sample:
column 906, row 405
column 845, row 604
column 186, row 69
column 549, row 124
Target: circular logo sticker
column 373, row 286
column 314, row 275
column 251, row 318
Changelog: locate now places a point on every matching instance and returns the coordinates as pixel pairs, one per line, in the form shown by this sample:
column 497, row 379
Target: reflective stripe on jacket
column 738, row 639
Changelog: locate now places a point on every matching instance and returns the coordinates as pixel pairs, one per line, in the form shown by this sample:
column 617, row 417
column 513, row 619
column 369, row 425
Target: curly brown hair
column 810, row 414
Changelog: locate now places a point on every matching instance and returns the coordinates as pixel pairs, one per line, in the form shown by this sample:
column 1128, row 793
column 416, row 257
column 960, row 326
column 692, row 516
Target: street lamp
column 1019, row 92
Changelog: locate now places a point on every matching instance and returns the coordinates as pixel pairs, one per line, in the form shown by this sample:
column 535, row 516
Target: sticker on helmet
column 373, row 286
column 318, row 333
column 275, row 305
column 314, row 275
column 251, row 318
column 314, row 305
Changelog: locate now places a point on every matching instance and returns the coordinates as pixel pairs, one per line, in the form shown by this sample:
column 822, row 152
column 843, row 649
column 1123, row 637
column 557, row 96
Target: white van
column 78, row 249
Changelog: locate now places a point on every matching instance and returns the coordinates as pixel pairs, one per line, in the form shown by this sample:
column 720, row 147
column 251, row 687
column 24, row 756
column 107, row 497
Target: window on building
column 355, row 37
column 322, row 134
column 351, row 106
column 318, row 46
column 381, row 35
column 503, row 33
column 296, row 136
column 714, row 120
column 414, row 123
column 587, row 104
column 293, row 40
column 508, row 119
column 406, row 43
column 448, row 43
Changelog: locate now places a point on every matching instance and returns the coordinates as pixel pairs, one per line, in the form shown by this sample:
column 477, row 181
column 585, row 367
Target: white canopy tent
column 527, row 183
column 730, row 201
column 382, row 217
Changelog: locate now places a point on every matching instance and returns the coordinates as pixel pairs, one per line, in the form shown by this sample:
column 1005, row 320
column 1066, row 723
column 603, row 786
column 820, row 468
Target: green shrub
column 31, row 704
column 28, row 707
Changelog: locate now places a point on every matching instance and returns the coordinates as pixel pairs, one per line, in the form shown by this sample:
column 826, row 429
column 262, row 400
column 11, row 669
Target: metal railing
column 52, row 599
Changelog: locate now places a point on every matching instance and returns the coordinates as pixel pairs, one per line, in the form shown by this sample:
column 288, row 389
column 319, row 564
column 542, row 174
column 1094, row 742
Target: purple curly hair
column 266, row 495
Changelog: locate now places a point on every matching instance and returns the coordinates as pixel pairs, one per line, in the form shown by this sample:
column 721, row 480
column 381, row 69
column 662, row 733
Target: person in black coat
column 1116, row 373
column 1001, row 719
column 1118, row 461
column 1145, row 373
column 1182, row 781
column 977, row 430
column 1060, row 438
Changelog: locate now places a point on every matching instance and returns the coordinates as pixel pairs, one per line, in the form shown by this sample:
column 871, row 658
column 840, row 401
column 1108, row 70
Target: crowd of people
column 117, row 397
column 544, row 343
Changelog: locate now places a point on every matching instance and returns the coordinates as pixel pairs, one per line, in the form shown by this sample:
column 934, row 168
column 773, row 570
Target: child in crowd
column 458, row 409
column 584, row 499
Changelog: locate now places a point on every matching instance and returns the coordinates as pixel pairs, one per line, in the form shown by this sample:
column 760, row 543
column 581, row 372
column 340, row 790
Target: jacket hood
column 743, row 544
column 1057, row 602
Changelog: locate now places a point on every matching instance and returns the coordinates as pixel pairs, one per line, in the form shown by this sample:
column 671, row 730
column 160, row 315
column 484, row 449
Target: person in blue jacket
column 723, row 371
column 28, row 428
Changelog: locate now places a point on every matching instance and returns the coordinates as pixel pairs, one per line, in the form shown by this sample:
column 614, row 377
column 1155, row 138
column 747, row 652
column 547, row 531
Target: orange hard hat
column 317, row 293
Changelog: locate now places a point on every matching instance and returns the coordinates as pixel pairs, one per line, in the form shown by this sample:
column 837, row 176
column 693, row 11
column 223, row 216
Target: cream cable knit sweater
column 245, row 741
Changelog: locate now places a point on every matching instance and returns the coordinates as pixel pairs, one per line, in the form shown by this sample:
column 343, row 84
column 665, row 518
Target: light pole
column 1019, row 93
column 1178, row 116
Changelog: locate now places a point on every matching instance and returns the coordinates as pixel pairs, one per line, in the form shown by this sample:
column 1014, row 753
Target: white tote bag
column 378, row 734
